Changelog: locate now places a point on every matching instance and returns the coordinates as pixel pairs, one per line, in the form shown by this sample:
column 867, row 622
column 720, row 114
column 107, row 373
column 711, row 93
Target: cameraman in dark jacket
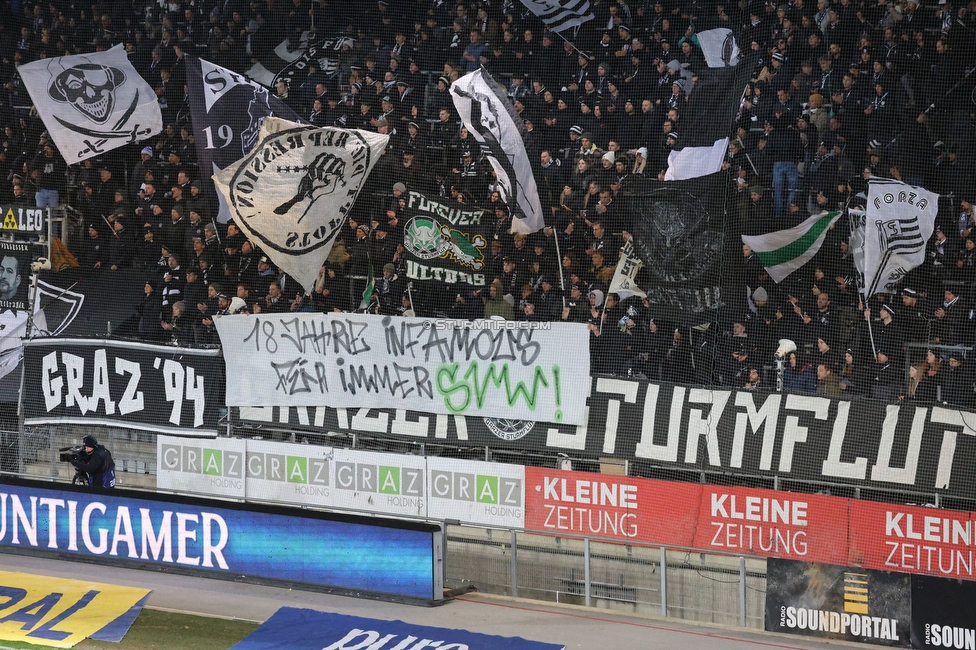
column 96, row 461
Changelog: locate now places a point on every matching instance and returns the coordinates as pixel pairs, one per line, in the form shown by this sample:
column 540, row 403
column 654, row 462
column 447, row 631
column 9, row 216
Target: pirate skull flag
column 293, row 191
column 92, row 103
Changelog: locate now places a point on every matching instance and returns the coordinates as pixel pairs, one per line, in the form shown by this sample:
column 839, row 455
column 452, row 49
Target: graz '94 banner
column 490, row 368
column 123, row 384
column 445, row 242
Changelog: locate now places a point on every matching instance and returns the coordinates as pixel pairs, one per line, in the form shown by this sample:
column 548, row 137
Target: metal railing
column 638, row 579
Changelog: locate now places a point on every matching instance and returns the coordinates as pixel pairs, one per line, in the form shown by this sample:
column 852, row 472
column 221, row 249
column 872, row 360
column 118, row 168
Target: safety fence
column 707, row 587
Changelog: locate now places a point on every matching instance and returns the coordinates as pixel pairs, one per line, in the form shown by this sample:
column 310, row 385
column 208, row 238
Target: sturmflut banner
column 490, row 368
column 226, row 110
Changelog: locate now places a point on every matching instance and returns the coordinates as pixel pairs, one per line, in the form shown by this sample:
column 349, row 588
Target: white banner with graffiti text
column 488, row 368
column 283, row 473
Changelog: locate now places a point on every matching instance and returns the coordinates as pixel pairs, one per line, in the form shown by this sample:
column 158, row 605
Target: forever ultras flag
column 293, row 191
column 784, row 251
column 92, row 103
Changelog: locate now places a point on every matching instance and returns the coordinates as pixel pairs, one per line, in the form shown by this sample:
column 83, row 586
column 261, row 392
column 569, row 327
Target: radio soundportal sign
column 863, row 442
column 324, row 477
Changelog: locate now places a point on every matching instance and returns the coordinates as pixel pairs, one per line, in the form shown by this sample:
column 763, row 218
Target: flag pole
column 865, row 299
column 559, row 265
column 575, row 49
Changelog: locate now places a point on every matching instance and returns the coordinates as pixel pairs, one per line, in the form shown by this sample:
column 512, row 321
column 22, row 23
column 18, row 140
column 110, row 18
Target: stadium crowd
column 842, row 91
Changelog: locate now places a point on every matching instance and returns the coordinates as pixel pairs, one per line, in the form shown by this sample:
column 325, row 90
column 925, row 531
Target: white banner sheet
column 487, row 368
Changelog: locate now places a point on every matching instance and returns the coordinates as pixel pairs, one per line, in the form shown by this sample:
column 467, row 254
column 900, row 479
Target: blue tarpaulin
column 306, row 629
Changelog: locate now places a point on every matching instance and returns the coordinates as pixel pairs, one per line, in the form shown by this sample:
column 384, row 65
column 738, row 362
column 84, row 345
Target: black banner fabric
column 445, row 242
column 943, row 613
column 117, row 383
column 863, row 443
column 679, row 232
column 833, row 602
column 227, row 110
column 72, row 302
column 324, row 52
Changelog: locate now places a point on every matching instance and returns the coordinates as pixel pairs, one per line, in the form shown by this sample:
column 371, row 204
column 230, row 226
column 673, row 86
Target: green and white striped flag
column 784, row 251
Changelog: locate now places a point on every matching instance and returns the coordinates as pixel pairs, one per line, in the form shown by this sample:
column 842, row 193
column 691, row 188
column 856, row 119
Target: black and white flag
column 283, row 64
column 706, row 122
column 491, row 119
column 293, row 191
column 624, row 281
column 92, row 103
column 226, row 111
column 719, row 47
column 899, row 221
column 560, row 15
column 679, row 233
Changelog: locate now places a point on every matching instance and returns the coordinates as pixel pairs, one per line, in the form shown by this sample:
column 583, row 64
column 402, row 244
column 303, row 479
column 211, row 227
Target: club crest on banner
column 428, row 240
column 509, row 430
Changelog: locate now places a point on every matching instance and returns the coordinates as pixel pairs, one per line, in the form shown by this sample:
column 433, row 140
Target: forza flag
column 624, row 281
column 785, row 251
column 227, row 110
column 679, row 233
column 293, row 191
column 899, row 221
column 491, row 119
column 92, row 103
column 282, row 64
column 719, row 47
column 711, row 111
column 445, row 242
column 560, row 15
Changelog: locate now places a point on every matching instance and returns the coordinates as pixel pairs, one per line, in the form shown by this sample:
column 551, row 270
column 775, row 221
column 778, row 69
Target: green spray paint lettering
column 470, row 389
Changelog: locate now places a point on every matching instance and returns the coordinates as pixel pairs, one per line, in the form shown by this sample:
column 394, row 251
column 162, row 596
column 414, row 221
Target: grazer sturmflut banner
column 865, row 443
column 123, row 384
column 679, row 234
column 294, row 190
column 227, row 110
column 92, row 103
column 836, row 602
column 445, row 242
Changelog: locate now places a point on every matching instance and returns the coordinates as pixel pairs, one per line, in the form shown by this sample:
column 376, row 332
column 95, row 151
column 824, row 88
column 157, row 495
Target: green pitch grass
column 158, row 630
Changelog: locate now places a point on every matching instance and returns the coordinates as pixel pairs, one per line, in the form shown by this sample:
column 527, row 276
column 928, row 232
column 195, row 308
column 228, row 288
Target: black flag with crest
column 679, row 234
column 227, row 110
